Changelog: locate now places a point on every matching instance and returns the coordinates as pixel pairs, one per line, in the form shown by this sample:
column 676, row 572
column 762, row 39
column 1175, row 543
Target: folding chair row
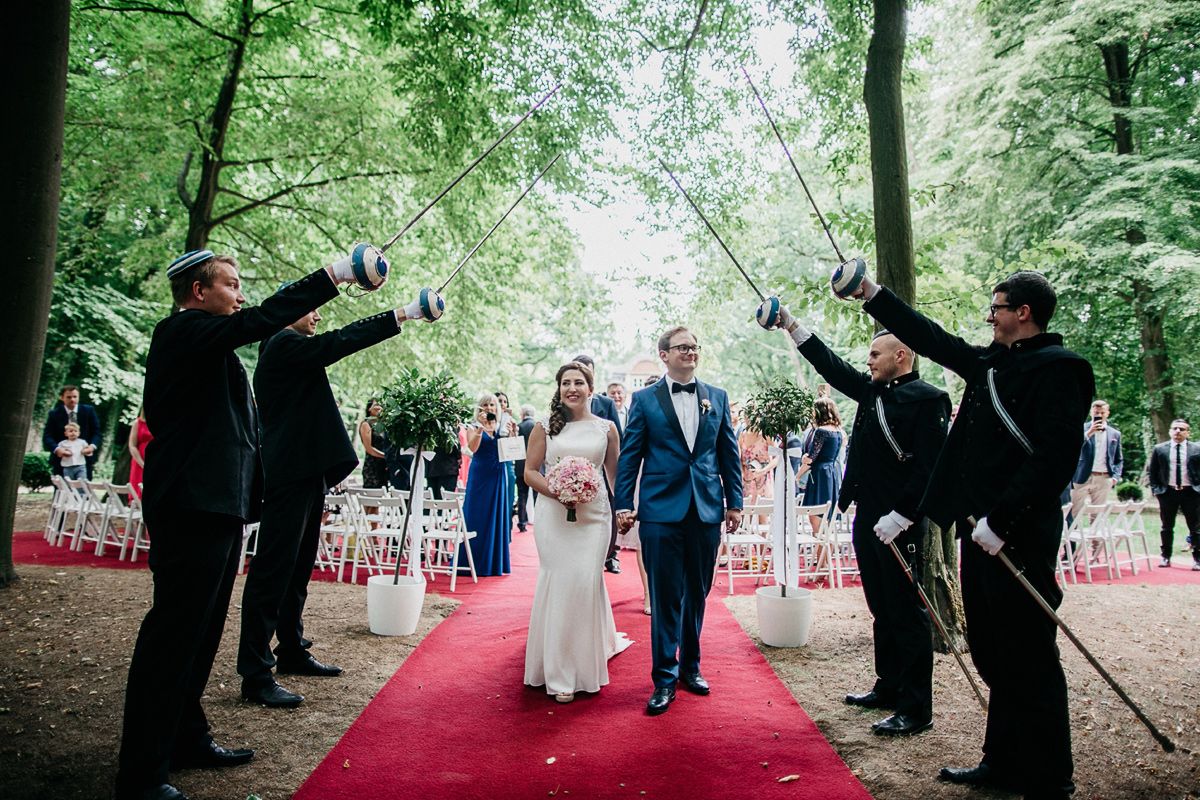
column 102, row 513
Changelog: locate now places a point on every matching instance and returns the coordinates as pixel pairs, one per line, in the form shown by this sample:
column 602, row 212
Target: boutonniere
column 705, row 406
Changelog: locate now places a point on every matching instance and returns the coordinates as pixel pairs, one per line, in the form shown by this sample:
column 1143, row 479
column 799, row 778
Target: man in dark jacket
column 524, row 428
column 202, row 484
column 69, row 409
column 1175, row 481
column 1011, row 450
column 305, row 451
column 604, row 408
column 899, row 430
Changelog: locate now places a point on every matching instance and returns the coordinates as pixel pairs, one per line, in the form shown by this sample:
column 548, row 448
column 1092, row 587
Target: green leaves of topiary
column 779, row 407
column 423, row 412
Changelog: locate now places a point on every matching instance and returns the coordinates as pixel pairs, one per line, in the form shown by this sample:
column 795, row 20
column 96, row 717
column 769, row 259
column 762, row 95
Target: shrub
column 779, row 408
column 1128, row 490
column 35, row 471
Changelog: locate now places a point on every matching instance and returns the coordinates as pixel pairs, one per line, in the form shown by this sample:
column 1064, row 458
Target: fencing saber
column 712, row 230
column 1019, row 574
column 487, row 235
column 788, row 153
column 470, row 167
column 937, row 621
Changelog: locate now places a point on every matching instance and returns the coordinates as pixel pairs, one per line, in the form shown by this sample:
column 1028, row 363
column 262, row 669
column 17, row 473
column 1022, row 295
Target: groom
column 680, row 437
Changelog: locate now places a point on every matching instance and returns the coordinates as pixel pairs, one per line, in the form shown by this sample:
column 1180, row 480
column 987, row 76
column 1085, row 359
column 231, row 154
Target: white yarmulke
column 848, row 277
column 187, row 261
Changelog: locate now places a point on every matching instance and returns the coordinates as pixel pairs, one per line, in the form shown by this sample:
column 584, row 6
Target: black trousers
column 1013, row 644
column 193, row 558
column 441, row 483
column 1170, row 503
column 902, row 631
column 522, row 495
column 277, row 582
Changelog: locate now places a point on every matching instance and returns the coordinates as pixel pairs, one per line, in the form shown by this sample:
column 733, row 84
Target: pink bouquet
column 574, row 480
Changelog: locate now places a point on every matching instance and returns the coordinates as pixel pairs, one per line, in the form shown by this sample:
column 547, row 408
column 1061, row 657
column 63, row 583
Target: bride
column 571, row 630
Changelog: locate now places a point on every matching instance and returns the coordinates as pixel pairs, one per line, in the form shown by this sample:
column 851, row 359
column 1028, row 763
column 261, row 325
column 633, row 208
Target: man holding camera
column 1100, row 461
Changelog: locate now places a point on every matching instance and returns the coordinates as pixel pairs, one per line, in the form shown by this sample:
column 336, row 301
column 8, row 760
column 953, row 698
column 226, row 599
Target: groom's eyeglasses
column 685, row 348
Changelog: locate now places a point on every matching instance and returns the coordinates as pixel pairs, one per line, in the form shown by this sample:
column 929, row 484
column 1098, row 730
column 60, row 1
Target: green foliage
column 1128, row 490
column 423, row 412
column 35, row 471
column 779, row 408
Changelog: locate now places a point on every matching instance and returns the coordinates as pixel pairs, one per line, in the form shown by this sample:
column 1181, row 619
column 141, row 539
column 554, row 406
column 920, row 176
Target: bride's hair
column 558, row 412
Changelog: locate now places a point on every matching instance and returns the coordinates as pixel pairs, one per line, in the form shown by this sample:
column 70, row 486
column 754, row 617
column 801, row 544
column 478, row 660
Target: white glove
column 986, row 538
column 783, row 320
column 372, row 268
column 890, row 526
column 428, row 306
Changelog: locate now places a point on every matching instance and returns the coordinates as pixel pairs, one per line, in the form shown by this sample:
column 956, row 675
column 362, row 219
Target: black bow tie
column 676, row 388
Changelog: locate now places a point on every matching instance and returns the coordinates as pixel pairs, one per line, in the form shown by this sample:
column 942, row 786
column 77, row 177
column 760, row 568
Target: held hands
column 986, row 538
column 890, row 526
column 365, row 266
column 625, row 520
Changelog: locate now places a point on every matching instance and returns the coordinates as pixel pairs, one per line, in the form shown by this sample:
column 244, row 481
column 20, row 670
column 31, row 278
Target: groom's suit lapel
column 662, row 393
column 702, row 418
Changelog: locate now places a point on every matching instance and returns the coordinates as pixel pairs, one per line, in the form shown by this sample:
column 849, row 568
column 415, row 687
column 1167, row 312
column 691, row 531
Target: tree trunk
column 895, row 266
column 200, row 212
column 1156, row 363
column 34, row 93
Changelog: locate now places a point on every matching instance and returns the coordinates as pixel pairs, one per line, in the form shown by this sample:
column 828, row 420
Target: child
column 73, row 452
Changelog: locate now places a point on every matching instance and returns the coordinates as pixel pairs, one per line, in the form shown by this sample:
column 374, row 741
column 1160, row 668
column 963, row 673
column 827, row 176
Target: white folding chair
column 1090, row 529
column 92, row 516
column 840, row 533
column 1066, row 554
column 1119, row 536
column 339, row 533
column 444, row 536
column 816, row 556
column 747, row 550
column 139, row 540
column 62, row 502
column 249, row 544
column 1136, row 529
column 118, row 520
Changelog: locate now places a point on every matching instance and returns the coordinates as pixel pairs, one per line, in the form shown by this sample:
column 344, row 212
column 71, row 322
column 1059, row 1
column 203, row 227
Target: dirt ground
column 66, row 636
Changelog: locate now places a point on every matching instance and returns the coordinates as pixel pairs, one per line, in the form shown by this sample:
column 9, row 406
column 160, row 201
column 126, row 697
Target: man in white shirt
column 1100, row 461
column 616, row 393
column 1175, row 480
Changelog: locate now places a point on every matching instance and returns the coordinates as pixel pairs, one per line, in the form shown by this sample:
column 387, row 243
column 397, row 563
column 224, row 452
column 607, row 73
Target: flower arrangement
column 705, row 406
column 574, row 480
column 422, row 413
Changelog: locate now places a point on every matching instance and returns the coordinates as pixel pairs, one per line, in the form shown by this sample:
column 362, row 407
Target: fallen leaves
column 788, row 778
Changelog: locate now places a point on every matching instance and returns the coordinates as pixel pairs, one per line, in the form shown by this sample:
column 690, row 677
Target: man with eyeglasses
column 680, row 440
column 1008, row 456
column 1175, row 481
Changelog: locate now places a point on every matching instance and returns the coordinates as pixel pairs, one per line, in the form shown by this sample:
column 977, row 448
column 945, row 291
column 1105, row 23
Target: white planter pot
column 394, row 609
column 784, row 621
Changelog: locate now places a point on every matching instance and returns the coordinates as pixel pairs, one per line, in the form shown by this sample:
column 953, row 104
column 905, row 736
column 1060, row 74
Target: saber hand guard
column 428, row 306
column 848, row 277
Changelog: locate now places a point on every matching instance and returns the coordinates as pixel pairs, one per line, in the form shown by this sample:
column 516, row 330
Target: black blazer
column 89, row 430
column 1160, row 466
column 605, row 408
column 916, row 414
column 303, row 434
column 204, row 455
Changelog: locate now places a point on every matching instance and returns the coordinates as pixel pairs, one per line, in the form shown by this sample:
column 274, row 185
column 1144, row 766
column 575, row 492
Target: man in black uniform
column 899, row 429
column 202, row 483
column 1012, row 448
column 305, row 451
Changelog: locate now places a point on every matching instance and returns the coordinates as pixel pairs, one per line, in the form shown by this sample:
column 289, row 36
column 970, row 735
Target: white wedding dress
column 571, row 630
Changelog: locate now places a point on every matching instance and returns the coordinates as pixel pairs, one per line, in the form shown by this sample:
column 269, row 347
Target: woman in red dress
column 139, row 437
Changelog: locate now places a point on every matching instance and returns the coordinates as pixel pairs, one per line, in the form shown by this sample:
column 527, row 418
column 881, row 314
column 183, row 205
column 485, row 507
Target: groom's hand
column 733, row 518
column 625, row 520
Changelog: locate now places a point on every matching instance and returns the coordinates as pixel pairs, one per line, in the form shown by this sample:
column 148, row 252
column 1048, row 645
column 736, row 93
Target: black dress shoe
column 612, row 564
column 213, row 755
column 271, row 695
column 982, row 775
column 660, row 701
column 902, row 725
column 871, row 699
column 695, row 683
column 306, row 665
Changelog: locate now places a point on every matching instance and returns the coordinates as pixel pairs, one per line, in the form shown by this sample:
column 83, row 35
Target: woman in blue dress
column 488, row 503
column 820, row 460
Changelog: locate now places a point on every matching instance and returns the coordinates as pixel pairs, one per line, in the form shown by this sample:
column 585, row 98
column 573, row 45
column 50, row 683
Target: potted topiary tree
column 784, row 610
column 419, row 414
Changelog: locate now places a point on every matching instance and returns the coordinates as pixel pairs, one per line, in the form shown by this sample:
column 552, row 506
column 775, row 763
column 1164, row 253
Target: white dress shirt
column 1178, row 450
column 687, row 408
column 623, row 415
column 1100, row 456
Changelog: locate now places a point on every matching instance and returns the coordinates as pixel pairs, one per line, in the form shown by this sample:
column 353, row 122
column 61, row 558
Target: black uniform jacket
column 916, row 415
column 983, row 469
column 302, row 430
column 204, row 455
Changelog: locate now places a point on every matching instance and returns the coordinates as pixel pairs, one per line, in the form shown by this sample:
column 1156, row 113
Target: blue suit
column 683, row 496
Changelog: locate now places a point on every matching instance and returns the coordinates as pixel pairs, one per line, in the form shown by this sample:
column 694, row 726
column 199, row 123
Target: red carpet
column 456, row 722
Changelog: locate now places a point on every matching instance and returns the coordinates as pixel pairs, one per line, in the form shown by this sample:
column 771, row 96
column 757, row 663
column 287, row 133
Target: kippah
column 884, row 332
column 187, row 261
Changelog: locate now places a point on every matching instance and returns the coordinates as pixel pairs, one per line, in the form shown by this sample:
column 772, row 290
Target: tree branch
column 687, row 46
column 293, row 188
column 267, row 11
column 146, row 8
column 181, row 182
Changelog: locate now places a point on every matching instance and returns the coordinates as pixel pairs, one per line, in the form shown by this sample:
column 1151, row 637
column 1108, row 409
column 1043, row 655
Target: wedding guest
column 524, row 428
column 139, row 437
column 375, row 444
column 441, row 471
column 72, row 453
column 487, row 506
column 820, row 460
column 69, row 409
column 571, row 630
column 757, row 466
column 616, row 393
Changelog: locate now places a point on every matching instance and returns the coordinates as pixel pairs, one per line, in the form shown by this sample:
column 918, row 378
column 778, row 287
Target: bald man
column 899, row 430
